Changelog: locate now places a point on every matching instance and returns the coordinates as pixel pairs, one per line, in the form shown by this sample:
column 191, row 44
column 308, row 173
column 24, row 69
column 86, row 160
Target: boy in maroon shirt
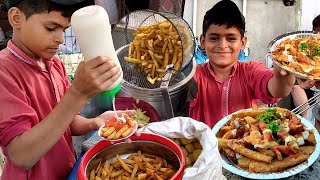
column 39, row 108
column 224, row 84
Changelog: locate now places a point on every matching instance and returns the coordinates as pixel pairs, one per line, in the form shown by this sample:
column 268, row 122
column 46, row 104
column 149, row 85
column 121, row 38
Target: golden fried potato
column 196, row 154
column 185, row 141
column 197, row 145
column 189, row 148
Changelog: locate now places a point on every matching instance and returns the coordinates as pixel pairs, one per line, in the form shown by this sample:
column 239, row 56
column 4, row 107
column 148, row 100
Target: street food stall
column 156, row 53
column 140, row 83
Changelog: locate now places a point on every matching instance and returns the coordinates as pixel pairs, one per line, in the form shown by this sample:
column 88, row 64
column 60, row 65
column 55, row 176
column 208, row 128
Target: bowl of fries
column 147, row 156
column 266, row 143
column 118, row 128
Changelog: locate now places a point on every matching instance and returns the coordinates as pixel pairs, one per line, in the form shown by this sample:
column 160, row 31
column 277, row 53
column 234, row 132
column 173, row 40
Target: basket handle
column 165, row 92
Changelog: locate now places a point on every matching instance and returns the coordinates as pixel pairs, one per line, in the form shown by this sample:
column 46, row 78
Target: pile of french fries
column 154, row 47
column 191, row 149
column 266, row 140
column 136, row 166
column 115, row 128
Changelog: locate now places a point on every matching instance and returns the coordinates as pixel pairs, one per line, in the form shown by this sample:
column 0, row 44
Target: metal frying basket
column 123, row 35
column 173, row 86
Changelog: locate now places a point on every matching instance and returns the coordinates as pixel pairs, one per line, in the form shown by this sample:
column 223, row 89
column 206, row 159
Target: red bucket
column 147, row 142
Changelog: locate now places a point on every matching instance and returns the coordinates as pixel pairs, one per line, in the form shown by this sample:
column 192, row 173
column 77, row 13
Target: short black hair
column 227, row 13
column 31, row 7
column 316, row 22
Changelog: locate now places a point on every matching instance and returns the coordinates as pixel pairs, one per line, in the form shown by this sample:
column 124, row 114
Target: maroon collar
column 19, row 54
column 211, row 72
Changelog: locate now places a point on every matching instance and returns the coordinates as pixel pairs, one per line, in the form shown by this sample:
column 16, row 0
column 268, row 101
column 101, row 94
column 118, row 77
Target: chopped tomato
column 303, row 58
column 117, row 124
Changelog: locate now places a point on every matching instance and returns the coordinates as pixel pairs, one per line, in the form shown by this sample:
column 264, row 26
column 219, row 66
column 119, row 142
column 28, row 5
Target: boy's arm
column 91, row 78
column 82, row 125
column 299, row 97
column 38, row 140
column 281, row 83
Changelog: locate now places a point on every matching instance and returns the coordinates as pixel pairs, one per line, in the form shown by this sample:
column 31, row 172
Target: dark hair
column 227, row 13
column 316, row 22
column 31, row 7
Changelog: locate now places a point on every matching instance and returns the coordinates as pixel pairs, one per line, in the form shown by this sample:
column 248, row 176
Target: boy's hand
column 278, row 71
column 307, row 84
column 281, row 83
column 283, row 75
column 95, row 76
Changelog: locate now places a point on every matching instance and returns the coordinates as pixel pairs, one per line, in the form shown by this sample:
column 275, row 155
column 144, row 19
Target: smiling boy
column 39, row 108
column 226, row 85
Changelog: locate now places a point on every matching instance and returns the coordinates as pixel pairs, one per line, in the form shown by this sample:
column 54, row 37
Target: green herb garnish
column 278, row 141
column 269, row 115
column 303, row 46
column 274, row 127
column 311, row 50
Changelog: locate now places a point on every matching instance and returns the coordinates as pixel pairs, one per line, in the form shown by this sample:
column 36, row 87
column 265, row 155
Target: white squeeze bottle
column 93, row 33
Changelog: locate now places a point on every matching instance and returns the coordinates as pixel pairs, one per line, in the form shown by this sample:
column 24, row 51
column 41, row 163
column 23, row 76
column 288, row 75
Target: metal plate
column 295, row 73
column 226, row 164
column 276, row 42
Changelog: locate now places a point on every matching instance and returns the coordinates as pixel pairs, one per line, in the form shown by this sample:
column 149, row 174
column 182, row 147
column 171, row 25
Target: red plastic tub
column 146, row 142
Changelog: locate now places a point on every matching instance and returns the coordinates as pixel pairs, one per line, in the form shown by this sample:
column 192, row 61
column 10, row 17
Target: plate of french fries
column 298, row 53
column 115, row 129
column 266, row 143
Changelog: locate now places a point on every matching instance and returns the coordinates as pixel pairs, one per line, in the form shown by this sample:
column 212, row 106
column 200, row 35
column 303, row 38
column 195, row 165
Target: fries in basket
column 154, row 47
column 115, row 128
column 137, row 166
column 266, row 140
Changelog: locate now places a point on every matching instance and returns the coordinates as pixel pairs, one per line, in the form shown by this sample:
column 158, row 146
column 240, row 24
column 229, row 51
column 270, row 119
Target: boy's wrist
column 76, row 95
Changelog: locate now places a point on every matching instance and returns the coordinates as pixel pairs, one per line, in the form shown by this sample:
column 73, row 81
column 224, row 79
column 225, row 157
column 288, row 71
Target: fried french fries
column 114, row 128
column 249, row 153
column 244, row 162
column 260, row 167
column 154, row 47
column 266, row 140
column 136, row 166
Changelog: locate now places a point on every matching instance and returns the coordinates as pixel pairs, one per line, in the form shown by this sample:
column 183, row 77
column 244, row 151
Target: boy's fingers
column 305, row 84
column 130, row 112
column 128, row 140
column 110, row 77
column 317, row 84
column 137, row 133
column 105, row 67
column 283, row 72
column 98, row 61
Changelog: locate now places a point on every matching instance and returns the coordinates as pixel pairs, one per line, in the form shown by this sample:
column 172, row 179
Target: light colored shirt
column 28, row 95
column 215, row 99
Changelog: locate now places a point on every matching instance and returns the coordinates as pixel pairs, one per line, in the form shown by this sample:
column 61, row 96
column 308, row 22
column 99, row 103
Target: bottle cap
column 112, row 92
